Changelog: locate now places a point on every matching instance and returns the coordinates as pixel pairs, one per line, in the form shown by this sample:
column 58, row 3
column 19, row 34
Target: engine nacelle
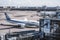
column 22, row 25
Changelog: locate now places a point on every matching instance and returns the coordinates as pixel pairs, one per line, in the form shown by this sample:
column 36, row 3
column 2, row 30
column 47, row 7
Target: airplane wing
column 6, row 28
column 14, row 25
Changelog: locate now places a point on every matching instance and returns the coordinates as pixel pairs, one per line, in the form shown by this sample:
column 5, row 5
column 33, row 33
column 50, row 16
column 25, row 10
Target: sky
column 29, row 3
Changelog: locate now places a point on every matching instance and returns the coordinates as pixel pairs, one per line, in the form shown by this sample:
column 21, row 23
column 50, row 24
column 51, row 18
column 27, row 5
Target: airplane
column 22, row 23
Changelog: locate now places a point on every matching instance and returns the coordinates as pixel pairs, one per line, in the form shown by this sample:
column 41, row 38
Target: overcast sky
column 29, row 2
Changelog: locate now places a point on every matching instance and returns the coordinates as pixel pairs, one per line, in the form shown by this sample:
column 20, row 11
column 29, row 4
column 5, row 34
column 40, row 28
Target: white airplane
column 22, row 23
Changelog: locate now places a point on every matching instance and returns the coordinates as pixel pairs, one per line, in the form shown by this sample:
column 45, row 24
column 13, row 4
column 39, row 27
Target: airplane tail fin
column 7, row 17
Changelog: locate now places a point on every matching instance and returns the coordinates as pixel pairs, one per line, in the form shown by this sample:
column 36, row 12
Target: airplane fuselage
column 21, row 22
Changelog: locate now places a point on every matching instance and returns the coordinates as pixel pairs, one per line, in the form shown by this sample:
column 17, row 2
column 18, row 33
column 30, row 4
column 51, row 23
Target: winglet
column 25, row 19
